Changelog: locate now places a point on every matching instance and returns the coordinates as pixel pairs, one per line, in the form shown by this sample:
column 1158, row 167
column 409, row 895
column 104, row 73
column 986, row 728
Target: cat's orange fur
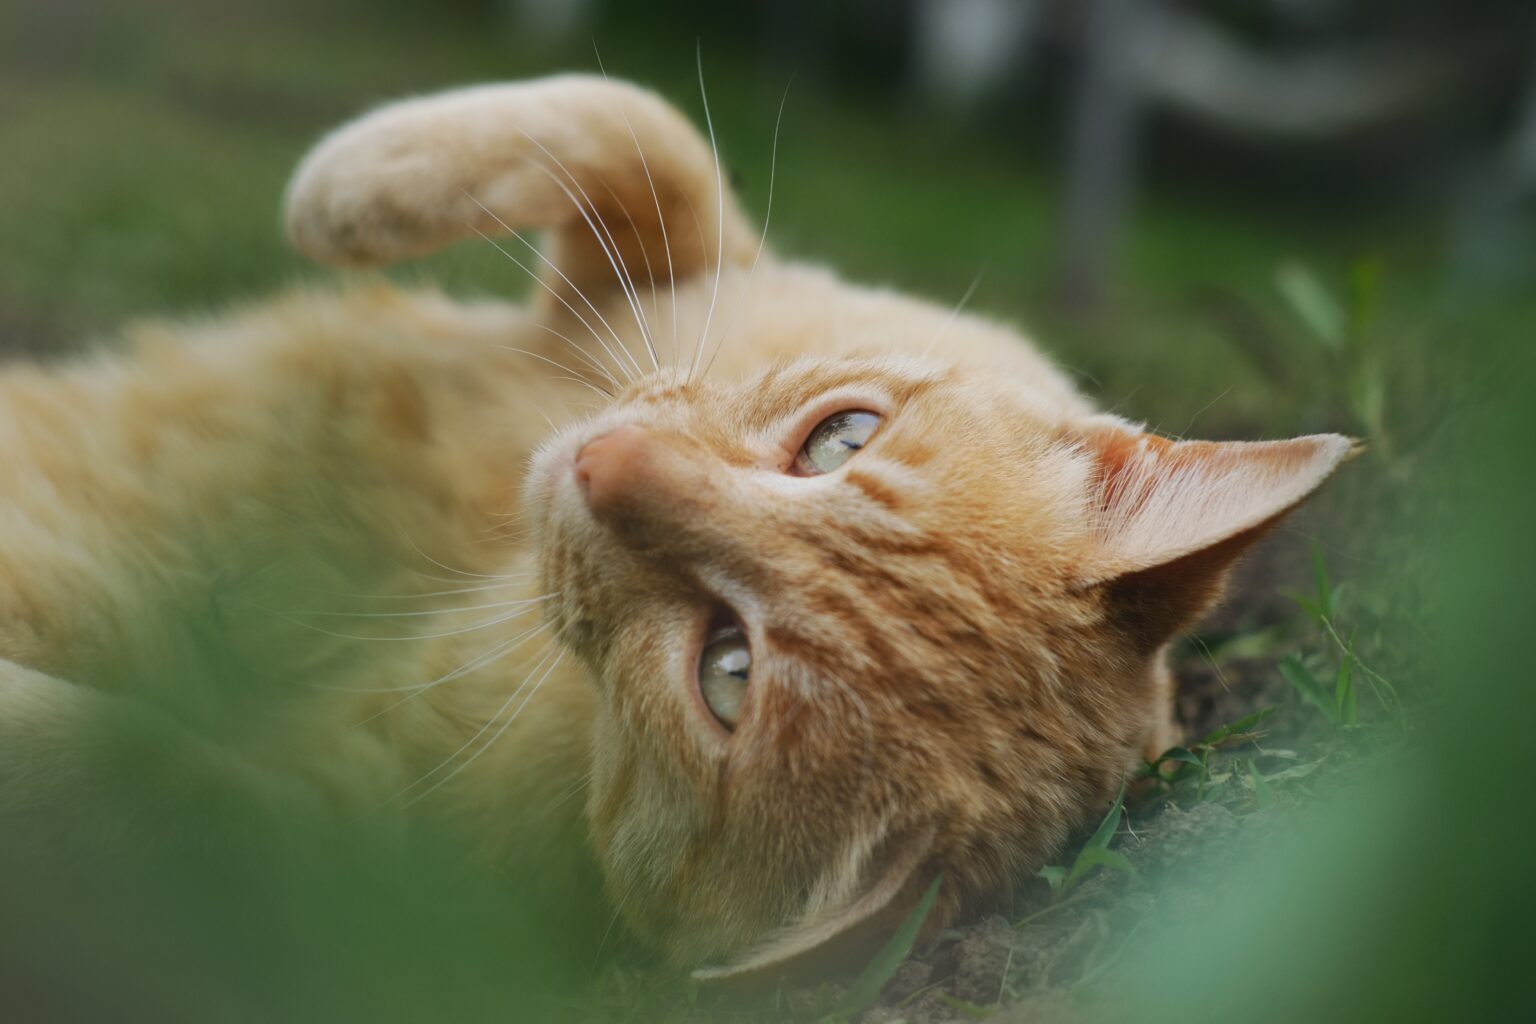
column 957, row 638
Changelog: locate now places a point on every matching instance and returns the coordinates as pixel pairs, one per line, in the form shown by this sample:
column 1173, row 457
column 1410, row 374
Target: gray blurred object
column 966, row 50
column 548, row 21
column 1136, row 52
column 1101, row 153
column 1194, row 66
column 1492, row 238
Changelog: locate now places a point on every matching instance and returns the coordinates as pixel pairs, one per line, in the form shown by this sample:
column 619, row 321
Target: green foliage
column 877, row 973
column 1336, row 699
column 1343, row 328
column 1095, row 853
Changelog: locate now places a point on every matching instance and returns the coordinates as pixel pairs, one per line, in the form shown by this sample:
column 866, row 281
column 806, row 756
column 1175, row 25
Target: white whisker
column 661, row 219
column 495, row 654
column 416, row 636
column 762, row 239
column 477, row 588
column 448, row 568
column 620, row 271
column 619, row 363
column 953, row 314
column 719, row 215
column 496, row 736
column 571, row 374
column 521, row 603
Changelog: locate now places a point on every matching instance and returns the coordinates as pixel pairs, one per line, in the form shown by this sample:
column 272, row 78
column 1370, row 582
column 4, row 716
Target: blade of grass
column 861, row 995
column 1304, row 683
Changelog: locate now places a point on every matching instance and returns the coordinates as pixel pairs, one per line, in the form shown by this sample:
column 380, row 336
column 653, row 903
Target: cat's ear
column 838, row 937
column 1170, row 517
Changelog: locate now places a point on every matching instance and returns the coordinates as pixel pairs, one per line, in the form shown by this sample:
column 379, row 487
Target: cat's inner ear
column 1170, row 517
column 841, row 934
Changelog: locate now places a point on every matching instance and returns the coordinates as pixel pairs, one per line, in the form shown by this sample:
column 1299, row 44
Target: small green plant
column 1336, row 699
column 1197, row 756
column 866, row 988
column 1343, row 329
column 1095, row 853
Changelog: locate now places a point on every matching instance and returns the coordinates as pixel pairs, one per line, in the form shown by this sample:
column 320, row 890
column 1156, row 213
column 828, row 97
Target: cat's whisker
column 610, row 249
column 619, row 363
column 762, row 238
column 520, row 603
column 498, row 620
column 570, row 792
column 661, row 219
column 719, row 214
column 494, row 737
column 495, row 654
column 478, row 588
column 650, row 272
column 415, row 688
column 954, row 314
column 448, row 568
column 570, row 374
column 531, row 247
column 582, row 354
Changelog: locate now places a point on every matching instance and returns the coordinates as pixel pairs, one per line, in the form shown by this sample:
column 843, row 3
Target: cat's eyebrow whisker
column 719, row 215
column 661, row 219
column 559, row 657
column 954, row 314
column 762, row 239
column 546, row 286
column 610, row 247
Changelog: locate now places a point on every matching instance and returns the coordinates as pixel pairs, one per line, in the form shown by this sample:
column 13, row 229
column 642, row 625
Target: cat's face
column 825, row 665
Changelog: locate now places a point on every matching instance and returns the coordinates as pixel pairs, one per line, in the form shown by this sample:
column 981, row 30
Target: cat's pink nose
column 609, row 468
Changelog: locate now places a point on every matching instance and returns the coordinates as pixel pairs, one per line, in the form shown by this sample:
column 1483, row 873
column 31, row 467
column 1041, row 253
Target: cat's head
column 859, row 623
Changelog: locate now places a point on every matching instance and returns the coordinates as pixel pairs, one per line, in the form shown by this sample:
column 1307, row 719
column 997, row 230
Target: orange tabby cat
column 835, row 591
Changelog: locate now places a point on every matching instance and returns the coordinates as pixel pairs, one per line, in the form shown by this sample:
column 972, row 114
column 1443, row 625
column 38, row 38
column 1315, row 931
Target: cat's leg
column 629, row 191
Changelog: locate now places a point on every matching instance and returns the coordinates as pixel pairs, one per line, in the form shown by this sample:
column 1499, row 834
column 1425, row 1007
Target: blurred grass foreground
column 1231, row 217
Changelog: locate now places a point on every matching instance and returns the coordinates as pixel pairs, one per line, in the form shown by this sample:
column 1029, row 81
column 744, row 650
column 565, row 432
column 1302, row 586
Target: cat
column 819, row 592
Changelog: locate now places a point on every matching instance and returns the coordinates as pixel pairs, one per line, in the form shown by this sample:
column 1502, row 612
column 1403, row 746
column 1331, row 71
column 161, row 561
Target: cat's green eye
column 834, row 441
column 723, row 670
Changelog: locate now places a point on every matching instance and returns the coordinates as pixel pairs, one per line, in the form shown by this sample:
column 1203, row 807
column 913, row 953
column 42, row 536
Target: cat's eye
column 723, row 670
column 834, row 441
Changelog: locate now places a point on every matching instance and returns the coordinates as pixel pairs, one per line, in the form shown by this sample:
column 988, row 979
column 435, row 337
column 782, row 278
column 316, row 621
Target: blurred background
column 1230, row 218
column 1137, row 181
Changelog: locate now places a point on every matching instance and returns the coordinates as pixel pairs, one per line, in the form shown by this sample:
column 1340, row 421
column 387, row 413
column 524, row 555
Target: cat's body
column 221, row 525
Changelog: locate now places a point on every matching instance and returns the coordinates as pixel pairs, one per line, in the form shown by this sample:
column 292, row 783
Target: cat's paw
column 611, row 165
